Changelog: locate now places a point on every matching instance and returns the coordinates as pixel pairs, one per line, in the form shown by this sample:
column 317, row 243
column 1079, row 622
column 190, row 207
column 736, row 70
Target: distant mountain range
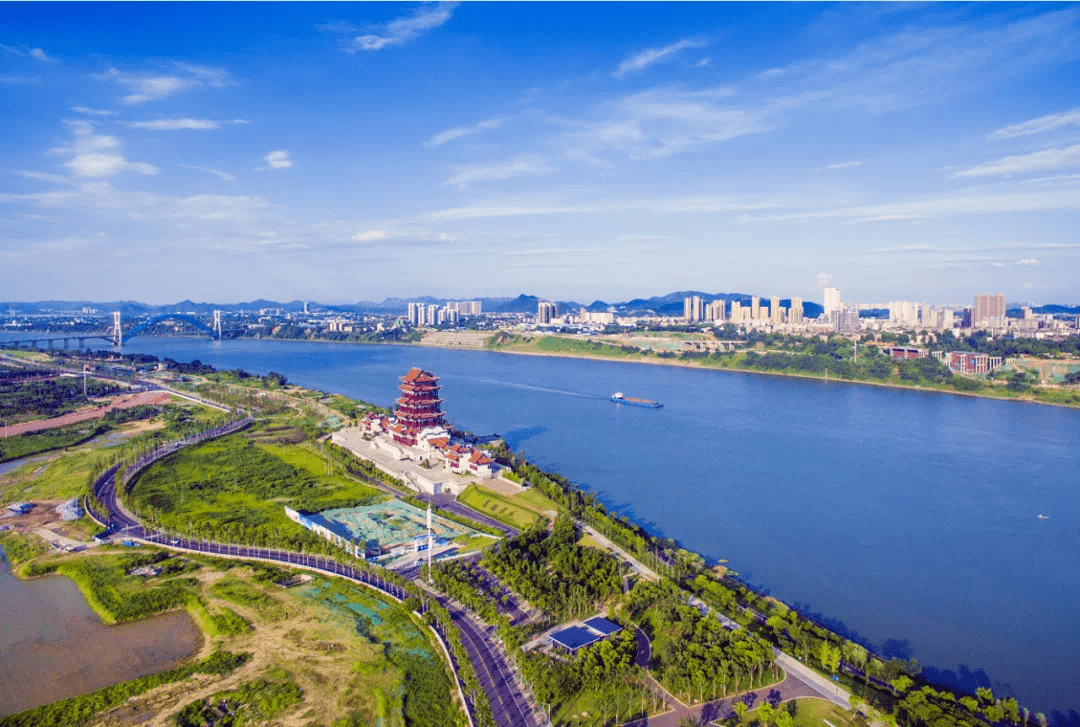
column 669, row 305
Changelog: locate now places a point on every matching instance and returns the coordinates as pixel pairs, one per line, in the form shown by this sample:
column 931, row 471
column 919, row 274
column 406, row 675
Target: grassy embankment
column 518, row 511
column 327, row 654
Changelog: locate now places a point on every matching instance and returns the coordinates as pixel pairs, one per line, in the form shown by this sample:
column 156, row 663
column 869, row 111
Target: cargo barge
column 618, row 398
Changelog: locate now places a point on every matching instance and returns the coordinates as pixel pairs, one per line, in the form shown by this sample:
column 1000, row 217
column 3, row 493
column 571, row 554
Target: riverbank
column 1071, row 397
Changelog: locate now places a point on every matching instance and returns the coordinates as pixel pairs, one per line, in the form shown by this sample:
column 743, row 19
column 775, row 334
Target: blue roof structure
column 605, row 627
column 574, row 637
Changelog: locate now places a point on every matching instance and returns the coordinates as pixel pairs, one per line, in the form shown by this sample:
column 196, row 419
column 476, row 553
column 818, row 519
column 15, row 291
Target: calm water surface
column 906, row 518
column 52, row 646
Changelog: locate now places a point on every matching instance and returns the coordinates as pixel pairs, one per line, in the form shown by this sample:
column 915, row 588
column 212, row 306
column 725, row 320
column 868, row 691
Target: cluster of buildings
column 696, row 309
column 421, row 314
column 418, row 432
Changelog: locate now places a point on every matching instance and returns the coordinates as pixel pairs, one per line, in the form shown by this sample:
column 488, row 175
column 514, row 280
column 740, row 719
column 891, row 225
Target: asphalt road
column 508, row 706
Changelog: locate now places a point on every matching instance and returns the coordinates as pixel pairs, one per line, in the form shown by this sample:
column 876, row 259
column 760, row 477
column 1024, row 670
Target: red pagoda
column 418, row 406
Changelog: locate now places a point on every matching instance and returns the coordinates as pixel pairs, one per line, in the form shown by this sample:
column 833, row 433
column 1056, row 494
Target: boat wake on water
column 545, row 389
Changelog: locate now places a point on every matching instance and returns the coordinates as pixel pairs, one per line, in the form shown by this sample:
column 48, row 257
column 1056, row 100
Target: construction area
column 392, row 529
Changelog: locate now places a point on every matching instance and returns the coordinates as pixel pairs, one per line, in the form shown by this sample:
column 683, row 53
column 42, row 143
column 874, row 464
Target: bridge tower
column 217, row 324
column 118, row 334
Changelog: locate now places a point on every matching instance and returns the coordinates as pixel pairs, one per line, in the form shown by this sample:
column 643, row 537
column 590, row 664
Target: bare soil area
column 124, row 401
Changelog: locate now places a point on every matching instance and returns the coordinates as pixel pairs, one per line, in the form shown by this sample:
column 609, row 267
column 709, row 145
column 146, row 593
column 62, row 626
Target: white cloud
column 1027, row 261
column 38, row 54
column 846, row 165
column 182, row 77
column 399, row 31
column 1037, row 126
column 648, row 57
column 523, row 164
column 459, row 131
column 661, row 122
column 210, row 170
column 106, row 165
column 175, row 124
column 11, row 49
column 1045, row 160
column 90, row 112
column 97, row 155
column 369, row 236
column 278, row 160
column 43, row 176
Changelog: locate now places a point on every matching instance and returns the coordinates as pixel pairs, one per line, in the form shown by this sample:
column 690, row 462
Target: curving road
column 508, row 705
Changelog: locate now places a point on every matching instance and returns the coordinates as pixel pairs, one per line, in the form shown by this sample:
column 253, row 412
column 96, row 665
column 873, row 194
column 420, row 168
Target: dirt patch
column 124, row 401
column 456, row 339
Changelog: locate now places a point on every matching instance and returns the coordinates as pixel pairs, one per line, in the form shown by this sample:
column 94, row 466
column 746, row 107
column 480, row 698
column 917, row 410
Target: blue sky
column 342, row 152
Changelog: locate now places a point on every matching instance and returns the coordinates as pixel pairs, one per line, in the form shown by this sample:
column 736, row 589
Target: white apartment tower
column 545, row 312
column 832, row 303
column 693, row 309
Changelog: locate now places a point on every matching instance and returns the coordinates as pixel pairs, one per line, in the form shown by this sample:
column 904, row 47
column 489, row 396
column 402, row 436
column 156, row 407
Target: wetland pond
column 53, row 646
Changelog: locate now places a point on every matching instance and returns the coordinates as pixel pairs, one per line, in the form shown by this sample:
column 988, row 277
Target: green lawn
column 811, row 712
column 504, row 509
column 236, row 489
column 60, row 478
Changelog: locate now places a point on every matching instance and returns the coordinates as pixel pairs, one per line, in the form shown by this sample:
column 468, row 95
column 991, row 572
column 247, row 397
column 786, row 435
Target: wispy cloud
column 1037, row 126
column 1044, row 160
column 154, row 86
column 1027, row 261
column 523, row 164
column 20, row 80
column 278, row 160
column 369, row 236
column 40, row 55
column 459, row 131
column 210, row 170
column 649, row 56
column 663, row 121
column 846, row 165
column 397, row 32
column 177, row 124
column 43, row 176
column 90, row 112
column 106, row 165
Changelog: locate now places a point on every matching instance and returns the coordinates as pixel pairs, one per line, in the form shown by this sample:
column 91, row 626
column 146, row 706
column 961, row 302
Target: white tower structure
column 430, row 542
column 217, row 323
column 118, row 335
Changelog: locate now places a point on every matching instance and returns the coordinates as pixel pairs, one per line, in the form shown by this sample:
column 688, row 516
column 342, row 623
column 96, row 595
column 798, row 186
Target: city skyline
column 358, row 152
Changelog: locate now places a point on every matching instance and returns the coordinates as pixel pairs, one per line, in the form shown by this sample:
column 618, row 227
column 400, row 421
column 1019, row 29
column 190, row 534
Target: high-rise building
column 776, row 312
column 693, row 309
column 948, row 320
column 417, row 313
column 796, row 314
column 755, row 307
column 903, row 312
column 545, row 311
column 989, row 309
column 832, row 303
column 736, row 312
column 715, row 310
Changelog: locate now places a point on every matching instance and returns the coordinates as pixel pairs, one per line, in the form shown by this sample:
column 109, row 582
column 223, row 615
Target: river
column 905, row 518
column 53, row 646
